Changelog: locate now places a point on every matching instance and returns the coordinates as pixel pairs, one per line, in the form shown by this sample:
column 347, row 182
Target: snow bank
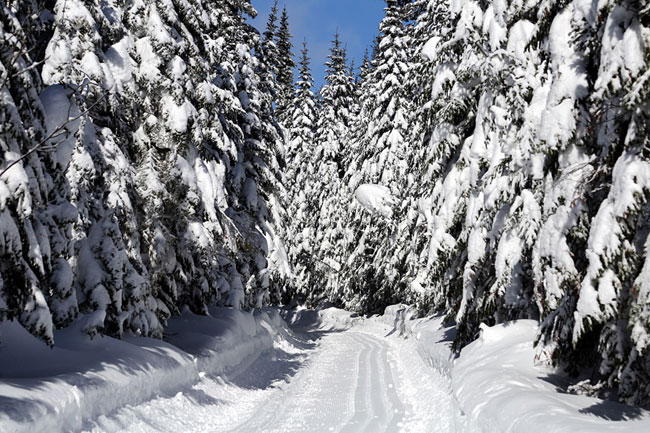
column 376, row 199
column 336, row 319
column 325, row 319
column 60, row 389
column 434, row 337
column 498, row 387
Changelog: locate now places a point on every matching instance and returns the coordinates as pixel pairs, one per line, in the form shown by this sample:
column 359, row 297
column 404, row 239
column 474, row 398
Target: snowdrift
column 60, row 389
column 324, row 319
column 499, row 388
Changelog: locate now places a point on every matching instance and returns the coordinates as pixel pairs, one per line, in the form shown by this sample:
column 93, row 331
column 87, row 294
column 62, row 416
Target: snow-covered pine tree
column 566, row 164
column 448, row 35
column 374, row 269
column 269, row 46
column 303, row 121
column 608, row 303
column 268, row 55
column 503, row 211
column 110, row 276
column 285, row 63
column 34, row 216
column 301, row 180
column 330, row 159
column 262, row 198
column 411, row 235
column 355, row 107
column 359, row 93
column 365, row 68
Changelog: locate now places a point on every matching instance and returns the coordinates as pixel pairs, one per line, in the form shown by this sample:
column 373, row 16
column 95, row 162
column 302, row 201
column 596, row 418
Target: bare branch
column 27, row 69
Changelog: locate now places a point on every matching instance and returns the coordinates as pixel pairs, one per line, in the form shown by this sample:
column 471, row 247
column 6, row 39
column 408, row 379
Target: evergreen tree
column 336, row 99
column 374, row 268
column 448, row 39
column 616, row 198
column 301, row 179
column 285, row 63
column 261, row 162
column 365, row 67
column 109, row 272
column 269, row 47
column 329, row 160
column 33, row 213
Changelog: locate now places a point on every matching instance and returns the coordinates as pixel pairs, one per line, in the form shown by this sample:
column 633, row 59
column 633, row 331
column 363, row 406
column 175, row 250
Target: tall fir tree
column 34, row 214
column 269, row 47
column 330, row 159
column 301, row 180
column 285, row 65
column 374, row 271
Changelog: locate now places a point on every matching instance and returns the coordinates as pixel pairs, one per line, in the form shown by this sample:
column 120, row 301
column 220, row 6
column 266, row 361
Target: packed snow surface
column 294, row 371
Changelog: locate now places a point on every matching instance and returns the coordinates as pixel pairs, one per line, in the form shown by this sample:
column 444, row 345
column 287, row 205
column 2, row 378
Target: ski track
column 348, row 382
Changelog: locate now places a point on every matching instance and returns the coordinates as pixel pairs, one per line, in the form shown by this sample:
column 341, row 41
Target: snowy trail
column 347, row 387
column 349, row 381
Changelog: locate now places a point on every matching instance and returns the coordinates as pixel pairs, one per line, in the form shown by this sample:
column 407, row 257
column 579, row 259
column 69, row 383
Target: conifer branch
column 57, row 132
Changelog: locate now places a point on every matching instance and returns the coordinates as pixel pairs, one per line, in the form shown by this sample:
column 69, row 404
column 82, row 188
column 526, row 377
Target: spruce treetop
column 284, row 68
column 271, row 24
column 305, row 79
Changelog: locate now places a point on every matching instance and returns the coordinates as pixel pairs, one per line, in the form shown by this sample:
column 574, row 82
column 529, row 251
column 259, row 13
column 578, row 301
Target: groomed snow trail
column 355, row 380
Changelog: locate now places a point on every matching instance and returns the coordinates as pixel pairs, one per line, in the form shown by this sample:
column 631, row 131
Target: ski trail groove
column 360, row 417
column 391, row 409
column 352, row 381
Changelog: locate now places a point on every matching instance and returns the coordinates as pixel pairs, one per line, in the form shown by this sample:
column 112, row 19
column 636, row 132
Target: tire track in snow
column 397, row 406
column 318, row 397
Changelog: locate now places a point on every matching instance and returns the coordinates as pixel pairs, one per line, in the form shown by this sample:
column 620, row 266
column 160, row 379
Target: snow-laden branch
column 56, row 133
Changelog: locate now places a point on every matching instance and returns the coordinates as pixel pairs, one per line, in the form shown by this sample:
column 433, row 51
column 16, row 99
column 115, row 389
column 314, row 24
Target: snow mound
column 499, row 387
column 335, row 319
column 376, row 199
column 433, row 335
column 325, row 318
column 62, row 389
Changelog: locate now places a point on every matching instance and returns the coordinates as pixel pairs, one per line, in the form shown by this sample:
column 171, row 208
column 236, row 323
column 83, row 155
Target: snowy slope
column 498, row 387
column 61, row 389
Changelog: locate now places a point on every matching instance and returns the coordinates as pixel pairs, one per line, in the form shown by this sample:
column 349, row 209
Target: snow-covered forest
column 489, row 160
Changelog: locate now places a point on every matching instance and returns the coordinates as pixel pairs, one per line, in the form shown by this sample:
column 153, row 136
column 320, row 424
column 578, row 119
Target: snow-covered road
column 320, row 370
column 353, row 380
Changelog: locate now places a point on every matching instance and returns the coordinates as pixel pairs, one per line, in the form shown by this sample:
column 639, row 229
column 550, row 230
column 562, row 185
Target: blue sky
column 317, row 20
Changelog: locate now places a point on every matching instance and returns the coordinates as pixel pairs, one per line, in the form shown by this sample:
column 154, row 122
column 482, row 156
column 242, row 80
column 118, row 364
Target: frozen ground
column 325, row 371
